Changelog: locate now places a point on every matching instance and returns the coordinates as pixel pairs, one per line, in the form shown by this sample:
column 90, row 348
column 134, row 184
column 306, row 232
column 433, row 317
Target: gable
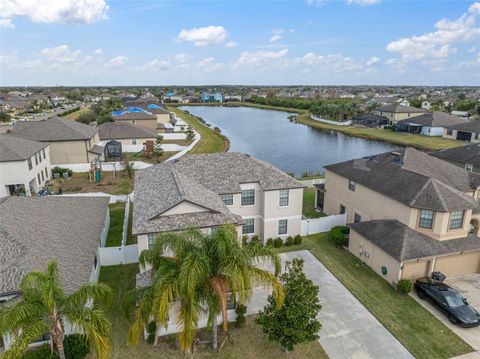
column 185, row 207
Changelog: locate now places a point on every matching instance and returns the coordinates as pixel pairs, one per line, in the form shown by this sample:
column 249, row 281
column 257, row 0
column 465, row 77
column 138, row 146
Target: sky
column 239, row 42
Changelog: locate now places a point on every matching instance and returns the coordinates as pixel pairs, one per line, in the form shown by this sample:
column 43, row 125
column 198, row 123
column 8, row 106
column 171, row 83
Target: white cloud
column 7, row 23
column 277, row 34
column 363, row 2
column 372, row 61
column 61, row 11
column 181, row 57
column 328, row 63
column 276, row 37
column 210, row 65
column 260, row 58
column 117, row 61
column 439, row 44
column 61, row 54
column 98, row 52
column 155, row 64
column 204, row 36
column 231, row 44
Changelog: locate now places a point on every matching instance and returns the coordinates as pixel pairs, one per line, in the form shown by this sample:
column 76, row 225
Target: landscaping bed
column 152, row 159
column 119, row 184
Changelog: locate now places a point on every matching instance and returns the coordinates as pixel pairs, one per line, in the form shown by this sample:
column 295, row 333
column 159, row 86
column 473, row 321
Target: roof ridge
column 435, row 183
column 178, row 183
column 69, row 125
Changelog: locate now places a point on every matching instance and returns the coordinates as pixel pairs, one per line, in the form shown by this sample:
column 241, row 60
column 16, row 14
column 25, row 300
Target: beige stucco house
column 125, row 133
column 468, row 131
column 396, row 112
column 151, row 118
column 70, row 141
column 24, row 165
column 410, row 213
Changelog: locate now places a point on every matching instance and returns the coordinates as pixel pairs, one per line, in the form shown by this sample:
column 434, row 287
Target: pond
column 295, row 148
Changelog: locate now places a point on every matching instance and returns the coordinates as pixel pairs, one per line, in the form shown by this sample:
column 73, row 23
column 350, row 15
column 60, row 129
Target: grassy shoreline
column 401, row 139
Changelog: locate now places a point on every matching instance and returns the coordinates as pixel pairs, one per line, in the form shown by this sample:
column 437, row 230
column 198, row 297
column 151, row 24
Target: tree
column 43, row 307
column 87, row 117
column 415, row 102
column 197, row 274
column 158, row 146
column 4, row 117
column 295, row 322
column 190, row 134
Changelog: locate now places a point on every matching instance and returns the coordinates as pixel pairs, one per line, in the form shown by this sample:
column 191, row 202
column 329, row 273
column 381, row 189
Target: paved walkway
column 349, row 330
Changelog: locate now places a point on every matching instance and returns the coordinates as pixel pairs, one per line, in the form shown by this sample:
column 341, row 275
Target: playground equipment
column 95, row 172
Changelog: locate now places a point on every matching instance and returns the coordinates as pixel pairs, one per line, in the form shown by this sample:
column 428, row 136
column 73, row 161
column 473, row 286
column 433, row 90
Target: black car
column 449, row 300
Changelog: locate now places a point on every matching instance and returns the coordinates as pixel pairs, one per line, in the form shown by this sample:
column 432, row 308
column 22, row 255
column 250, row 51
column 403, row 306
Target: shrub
column 270, row 242
column 404, row 286
column 76, row 346
column 244, row 239
column 61, row 170
column 277, row 242
column 338, row 236
column 151, row 330
column 297, row 239
column 290, row 241
column 255, row 239
column 42, row 352
column 240, row 310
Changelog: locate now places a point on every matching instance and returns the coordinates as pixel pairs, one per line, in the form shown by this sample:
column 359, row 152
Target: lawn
column 117, row 214
column 153, row 159
column 415, row 327
column 309, row 204
column 80, row 183
column 249, row 341
column 74, row 115
column 210, row 142
column 130, row 238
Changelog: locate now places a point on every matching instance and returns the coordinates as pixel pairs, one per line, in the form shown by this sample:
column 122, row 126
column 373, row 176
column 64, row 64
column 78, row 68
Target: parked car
column 449, row 301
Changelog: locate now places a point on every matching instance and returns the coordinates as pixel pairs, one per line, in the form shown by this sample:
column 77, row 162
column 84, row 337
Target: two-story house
column 396, row 112
column 70, row 141
column 410, row 213
column 24, row 165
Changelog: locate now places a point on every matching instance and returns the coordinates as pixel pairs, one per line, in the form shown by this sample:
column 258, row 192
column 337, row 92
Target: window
column 36, row 159
column 249, row 226
column 231, row 301
column 46, row 173
column 456, row 220
column 357, row 218
column 283, row 199
column 29, row 160
column 227, row 199
column 351, row 185
column 39, row 157
column 342, row 209
column 282, row 226
column 38, row 177
column 43, row 177
column 449, row 132
column 426, row 219
column 43, row 151
column 248, row 197
column 151, row 240
column 134, row 141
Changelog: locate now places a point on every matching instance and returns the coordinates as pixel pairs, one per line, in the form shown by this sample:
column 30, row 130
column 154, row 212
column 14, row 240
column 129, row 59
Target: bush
column 75, row 347
column 151, row 330
column 270, row 242
column 255, row 239
column 61, row 171
column 277, row 242
column 244, row 239
column 404, row 286
column 338, row 235
column 240, row 310
column 42, row 352
column 290, row 241
column 297, row 239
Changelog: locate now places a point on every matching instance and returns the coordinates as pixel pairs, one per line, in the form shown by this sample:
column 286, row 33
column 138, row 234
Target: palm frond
column 96, row 292
column 23, row 338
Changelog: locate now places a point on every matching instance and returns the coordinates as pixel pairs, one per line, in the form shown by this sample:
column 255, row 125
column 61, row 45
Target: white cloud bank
column 61, row 54
column 204, row 36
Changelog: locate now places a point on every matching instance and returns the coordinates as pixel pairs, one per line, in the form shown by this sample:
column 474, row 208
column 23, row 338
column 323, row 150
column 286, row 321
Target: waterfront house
column 70, row 141
column 36, row 230
column 468, row 131
column 211, row 97
column 429, row 124
column 396, row 112
column 368, row 120
column 129, row 135
column 410, row 213
column 467, row 157
column 24, row 165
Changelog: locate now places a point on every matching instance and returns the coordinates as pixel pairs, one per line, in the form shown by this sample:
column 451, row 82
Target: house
column 36, row 230
column 211, row 97
column 467, row 157
column 232, row 98
column 368, row 120
column 70, row 141
column 129, row 135
column 468, row 131
column 387, row 100
column 24, row 165
column 209, row 190
column 410, row 213
column 429, row 124
column 163, row 116
column 397, row 112
column 136, row 116
column 464, row 114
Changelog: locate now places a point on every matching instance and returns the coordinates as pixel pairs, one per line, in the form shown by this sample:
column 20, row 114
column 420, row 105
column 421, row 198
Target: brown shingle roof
column 119, row 130
column 17, row 149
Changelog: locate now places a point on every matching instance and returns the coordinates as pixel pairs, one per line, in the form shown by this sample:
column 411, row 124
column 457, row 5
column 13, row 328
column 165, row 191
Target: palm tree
column 197, row 273
column 43, row 307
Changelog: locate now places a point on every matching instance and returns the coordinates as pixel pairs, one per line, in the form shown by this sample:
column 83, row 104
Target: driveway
column 469, row 286
column 349, row 330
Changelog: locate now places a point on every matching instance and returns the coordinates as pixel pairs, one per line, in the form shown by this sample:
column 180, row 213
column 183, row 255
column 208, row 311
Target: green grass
column 131, row 239
column 249, row 341
column 117, row 212
column 415, row 327
column 309, row 204
column 210, row 142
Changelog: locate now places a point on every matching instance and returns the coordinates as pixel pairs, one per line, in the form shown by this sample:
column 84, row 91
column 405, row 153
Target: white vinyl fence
column 312, row 182
column 336, row 123
column 322, row 224
column 110, row 256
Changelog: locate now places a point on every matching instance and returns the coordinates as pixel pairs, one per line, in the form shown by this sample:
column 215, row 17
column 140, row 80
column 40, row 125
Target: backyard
column 416, row 328
column 249, row 341
column 309, row 204
column 118, row 183
column 130, row 156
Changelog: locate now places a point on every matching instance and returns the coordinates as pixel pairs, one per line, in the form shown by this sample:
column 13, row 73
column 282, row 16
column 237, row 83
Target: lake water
column 269, row 135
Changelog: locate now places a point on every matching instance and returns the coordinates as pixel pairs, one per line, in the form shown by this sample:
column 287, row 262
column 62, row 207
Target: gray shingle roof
column 435, row 119
column 135, row 116
column 18, row 149
column 403, row 243
column 413, row 178
column 473, row 126
column 397, row 108
column 35, row 230
column 54, row 129
column 463, row 154
column 198, row 179
column 120, row 130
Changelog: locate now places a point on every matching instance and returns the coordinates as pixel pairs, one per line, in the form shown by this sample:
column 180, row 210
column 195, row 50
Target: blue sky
column 317, row 42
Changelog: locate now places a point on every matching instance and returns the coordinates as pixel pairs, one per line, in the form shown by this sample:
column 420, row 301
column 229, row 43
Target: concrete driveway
column 469, row 286
column 349, row 330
